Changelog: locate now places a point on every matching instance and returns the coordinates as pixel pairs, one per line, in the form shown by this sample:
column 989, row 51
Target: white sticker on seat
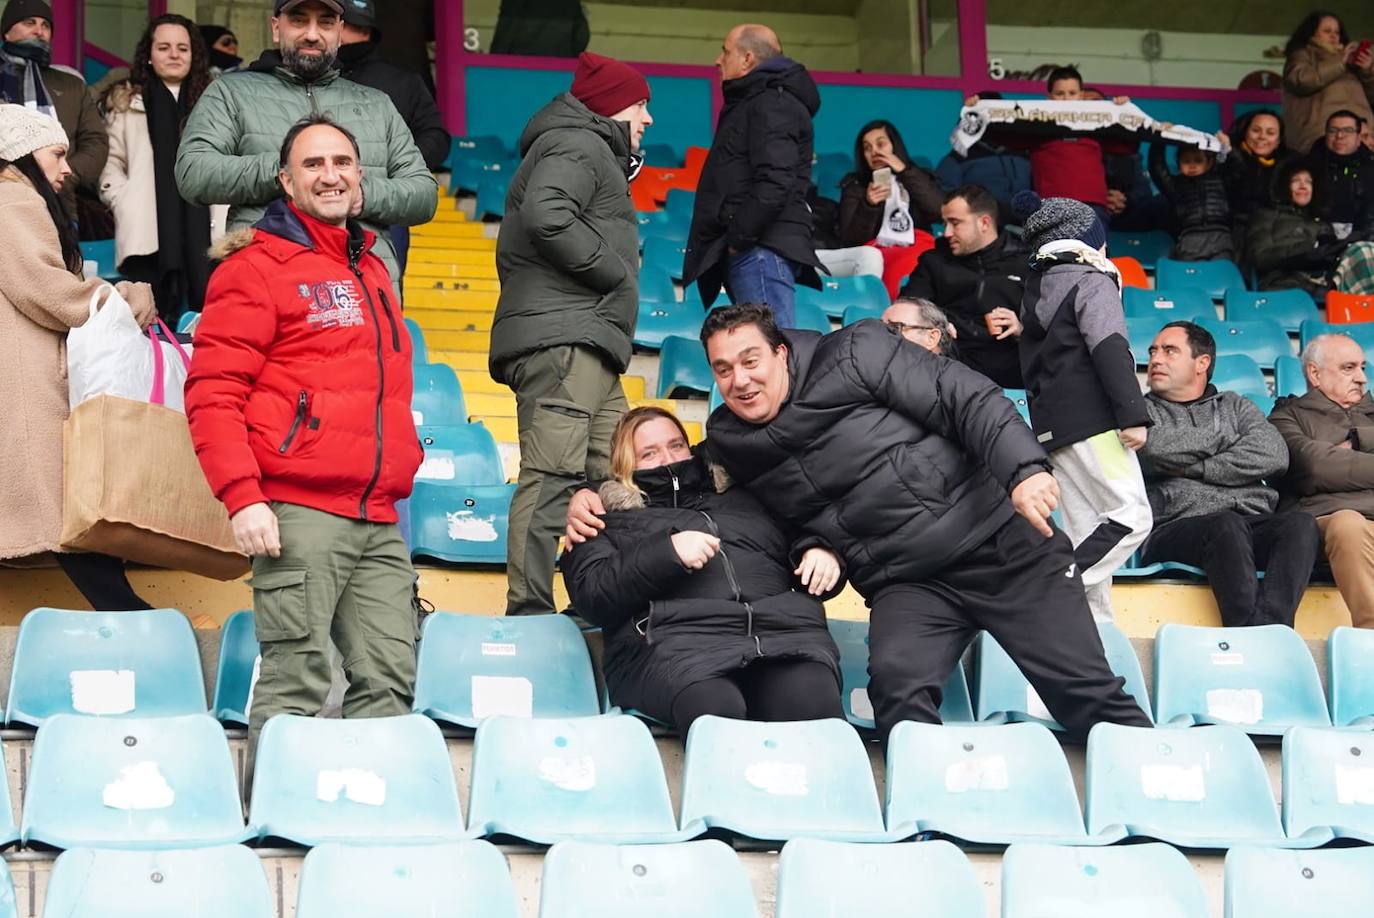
column 102, row 691
column 570, row 773
column 253, row 682
column 860, row 703
column 504, row 696
column 987, row 773
column 437, row 468
column 466, row 526
column 1176, row 783
column 1354, row 785
column 140, row 786
column 1164, row 304
column 1238, row 706
column 782, row 779
column 356, row 784
column 417, row 416
column 1034, row 706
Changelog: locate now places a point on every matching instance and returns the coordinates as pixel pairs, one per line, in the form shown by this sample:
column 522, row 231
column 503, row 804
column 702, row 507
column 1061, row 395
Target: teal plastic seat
column 476, row 666
column 9, row 831
column 356, row 780
column 1172, row 304
column 491, row 194
column 1213, row 277
column 1202, row 788
column 419, row 351
column 1289, row 378
column 655, row 286
column 779, row 781
column 1141, row 331
column 1264, row 403
column 854, row 314
column 238, row 663
column 680, row 203
column 682, row 366
column 811, row 317
column 111, row 664
column 470, row 174
column 225, row 881
column 460, row 524
column 1018, row 398
column 1003, row 695
column 187, row 322
column 1134, row 881
column 154, row 782
column 852, row 639
column 1240, row 374
column 664, row 224
column 663, row 255
column 478, row 148
column 1261, row 679
column 1262, row 340
column 590, row 778
column 983, row 784
column 823, row 879
column 840, row 293
column 102, row 252
column 715, row 400
column 658, row 321
column 1289, row 308
column 1350, row 676
column 438, row 397
column 1265, row 883
column 9, row 907
column 454, row 880
column 1147, row 248
column 688, row 880
column 1328, row 784
column 661, row 155
column 1361, row 332
column 459, row 454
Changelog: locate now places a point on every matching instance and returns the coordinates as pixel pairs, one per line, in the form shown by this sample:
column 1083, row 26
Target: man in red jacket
column 299, row 406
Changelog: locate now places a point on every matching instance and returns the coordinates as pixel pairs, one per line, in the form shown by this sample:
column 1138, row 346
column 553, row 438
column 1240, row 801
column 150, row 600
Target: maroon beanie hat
column 606, row 85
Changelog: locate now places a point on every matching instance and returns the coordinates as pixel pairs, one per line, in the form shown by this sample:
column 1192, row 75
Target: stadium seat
column 1262, row 340
column 715, row 400
column 1328, row 784
column 1264, row 403
column 357, row 780
column 661, row 155
column 1361, row 332
column 102, row 252
column 470, row 174
column 811, row 317
column 1132, row 272
column 1289, row 308
column 655, row 284
column 419, row 351
column 9, row 830
column 1018, row 398
column 839, row 293
column 687, row 880
column 113, row 664
column 1347, row 308
column 854, row 314
column 1260, row 679
column 1289, row 378
column 1003, row 694
column 778, row 781
column 1350, row 676
column 1146, row 248
column 154, row 782
column 658, row 321
column 1202, row 788
column 663, row 224
column 983, row 784
column 226, row 881
column 438, row 396
column 1140, row 333
column 460, row 524
column 1240, row 374
column 852, row 639
column 1134, row 881
column 680, row 203
column 682, row 366
column 1169, row 303
column 823, row 879
column 437, row 881
column 481, row 148
column 186, row 324
column 238, row 666
column 1265, row 883
column 828, row 171
column 476, row 666
column 491, row 195
column 459, row 454
column 589, row 778
column 1213, row 277
column 663, row 255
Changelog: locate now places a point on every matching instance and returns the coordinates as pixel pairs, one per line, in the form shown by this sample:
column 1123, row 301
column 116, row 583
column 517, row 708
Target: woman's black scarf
column 183, row 229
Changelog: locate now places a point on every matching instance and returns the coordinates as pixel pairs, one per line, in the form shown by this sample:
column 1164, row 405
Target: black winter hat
column 19, row 10
column 362, row 14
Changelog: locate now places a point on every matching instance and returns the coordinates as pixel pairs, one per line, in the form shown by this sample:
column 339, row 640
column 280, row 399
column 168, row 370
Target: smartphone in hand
column 1360, row 49
column 882, row 176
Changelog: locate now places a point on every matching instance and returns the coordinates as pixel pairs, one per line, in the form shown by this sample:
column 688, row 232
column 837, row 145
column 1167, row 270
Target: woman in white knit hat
column 42, row 297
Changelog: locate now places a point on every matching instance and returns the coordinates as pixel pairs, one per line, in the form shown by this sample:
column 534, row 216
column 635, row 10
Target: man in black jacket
column 1349, row 173
column 977, row 276
column 751, row 227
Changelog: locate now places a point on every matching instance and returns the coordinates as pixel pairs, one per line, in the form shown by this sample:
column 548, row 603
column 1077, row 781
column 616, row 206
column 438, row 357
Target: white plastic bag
column 111, row 355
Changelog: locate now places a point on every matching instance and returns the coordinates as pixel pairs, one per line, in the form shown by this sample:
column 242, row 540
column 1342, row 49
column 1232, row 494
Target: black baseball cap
column 286, row 6
column 360, row 13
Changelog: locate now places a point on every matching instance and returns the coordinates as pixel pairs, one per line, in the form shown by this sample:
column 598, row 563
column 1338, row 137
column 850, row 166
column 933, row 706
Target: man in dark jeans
column 1205, row 463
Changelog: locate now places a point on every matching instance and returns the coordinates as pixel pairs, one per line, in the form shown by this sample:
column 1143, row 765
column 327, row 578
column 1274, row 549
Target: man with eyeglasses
column 922, row 323
column 1349, row 168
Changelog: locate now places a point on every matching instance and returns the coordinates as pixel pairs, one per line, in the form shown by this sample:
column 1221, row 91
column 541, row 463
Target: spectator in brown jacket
column 1325, row 72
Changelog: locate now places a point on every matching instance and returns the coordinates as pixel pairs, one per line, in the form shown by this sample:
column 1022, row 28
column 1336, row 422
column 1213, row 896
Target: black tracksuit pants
column 1024, row 590
column 768, row 690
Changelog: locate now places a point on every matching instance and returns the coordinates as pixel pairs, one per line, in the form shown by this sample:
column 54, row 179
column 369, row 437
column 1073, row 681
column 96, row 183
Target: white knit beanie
column 23, row 130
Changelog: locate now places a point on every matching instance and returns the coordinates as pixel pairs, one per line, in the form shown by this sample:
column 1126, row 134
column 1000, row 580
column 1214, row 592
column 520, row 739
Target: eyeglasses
column 1342, row 131
column 900, row 327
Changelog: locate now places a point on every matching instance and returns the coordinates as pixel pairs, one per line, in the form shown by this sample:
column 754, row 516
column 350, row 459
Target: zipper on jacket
column 381, row 385
column 390, row 317
column 310, row 94
column 302, row 401
column 734, row 581
column 675, row 491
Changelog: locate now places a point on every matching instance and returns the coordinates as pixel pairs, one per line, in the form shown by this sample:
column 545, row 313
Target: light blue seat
column 1289, row 308
column 822, row 879
column 225, row 881
column 854, row 314
column 102, row 252
column 663, row 255
column 590, row 778
column 852, row 639
column 154, row 782
column 9, row 831
column 438, row 396
column 1240, row 374
column 840, row 293
column 655, row 286
column 9, row 907
column 1361, row 332
column 1134, row 881
column 779, row 781
column 1328, row 784
column 356, row 780
column 419, row 351
column 1141, row 331
column 983, row 784
column 1147, row 248
column 454, row 880
column 459, row 454
column 460, row 524
column 663, row 224
column 475, row 666
column 1289, row 378
column 1203, row 788
column 114, row 664
column 1261, row 679
column 491, row 194
column 688, row 880
column 715, row 400
column 471, row 174
column 680, row 203
column 658, row 321
column 1265, row 403
column 682, row 366
column 1262, row 340
column 1213, row 277
column 660, row 155
column 478, row 148
column 1172, row 304
column 237, row 672
column 1350, row 676
column 1018, row 398
column 811, row 317
column 186, row 324
column 1265, row 883
column 1002, row 693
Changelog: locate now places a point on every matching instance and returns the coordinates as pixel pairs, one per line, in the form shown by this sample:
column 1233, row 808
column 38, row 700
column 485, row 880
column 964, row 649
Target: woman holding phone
column 1324, row 73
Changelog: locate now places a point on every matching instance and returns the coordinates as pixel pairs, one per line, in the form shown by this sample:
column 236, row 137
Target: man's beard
column 308, row 67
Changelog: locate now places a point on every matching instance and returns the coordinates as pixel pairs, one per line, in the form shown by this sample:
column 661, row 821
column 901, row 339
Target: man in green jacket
column 230, row 147
column 568, row 259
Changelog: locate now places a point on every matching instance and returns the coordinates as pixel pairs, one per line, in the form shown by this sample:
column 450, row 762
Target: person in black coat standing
column 751, row 226
column 696, row 588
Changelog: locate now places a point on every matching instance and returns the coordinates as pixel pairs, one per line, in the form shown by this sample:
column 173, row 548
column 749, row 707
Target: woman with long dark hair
column 42, row 297
column 160, row 238
column 1257, row 150
column 1324, row 72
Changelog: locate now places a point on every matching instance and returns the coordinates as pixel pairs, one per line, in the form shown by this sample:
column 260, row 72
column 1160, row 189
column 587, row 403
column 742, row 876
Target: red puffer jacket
column 300, row 382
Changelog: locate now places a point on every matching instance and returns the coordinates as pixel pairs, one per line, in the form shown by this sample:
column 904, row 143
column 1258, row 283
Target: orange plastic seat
column 1132, row 272
column 1348, row 308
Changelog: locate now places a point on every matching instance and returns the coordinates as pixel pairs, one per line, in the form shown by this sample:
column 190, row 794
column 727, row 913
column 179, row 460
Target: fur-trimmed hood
column 232, row 242
column 616, row 495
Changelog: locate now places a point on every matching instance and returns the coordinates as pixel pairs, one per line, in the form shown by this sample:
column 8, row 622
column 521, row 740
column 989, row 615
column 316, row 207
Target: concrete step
column 449, row 319
column 445, row 229
column 436, row 248
column 431, row 298
column 490, row 285
column 445, row 270
column 460, row 360
column 479, row 257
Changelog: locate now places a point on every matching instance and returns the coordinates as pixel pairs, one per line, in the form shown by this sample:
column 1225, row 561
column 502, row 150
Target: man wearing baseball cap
column 568, row 259
column 231, row 143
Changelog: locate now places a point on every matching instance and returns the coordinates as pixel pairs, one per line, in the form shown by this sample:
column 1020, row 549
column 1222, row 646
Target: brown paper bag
column 134, row 490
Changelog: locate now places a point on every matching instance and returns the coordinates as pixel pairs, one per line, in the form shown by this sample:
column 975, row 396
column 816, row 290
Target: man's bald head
column 745, row 47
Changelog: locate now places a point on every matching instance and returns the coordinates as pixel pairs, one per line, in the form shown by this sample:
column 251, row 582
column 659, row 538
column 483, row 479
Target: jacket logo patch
column 333, row 304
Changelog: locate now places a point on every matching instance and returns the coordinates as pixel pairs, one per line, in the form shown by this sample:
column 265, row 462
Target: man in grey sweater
column 1206, row 463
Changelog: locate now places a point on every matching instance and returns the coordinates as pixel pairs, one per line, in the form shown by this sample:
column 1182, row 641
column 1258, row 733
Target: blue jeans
column 764, row 277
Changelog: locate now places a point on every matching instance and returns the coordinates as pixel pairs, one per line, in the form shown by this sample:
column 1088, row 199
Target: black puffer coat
column 900, row 460
column 667, row 627
column 1201, row 208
